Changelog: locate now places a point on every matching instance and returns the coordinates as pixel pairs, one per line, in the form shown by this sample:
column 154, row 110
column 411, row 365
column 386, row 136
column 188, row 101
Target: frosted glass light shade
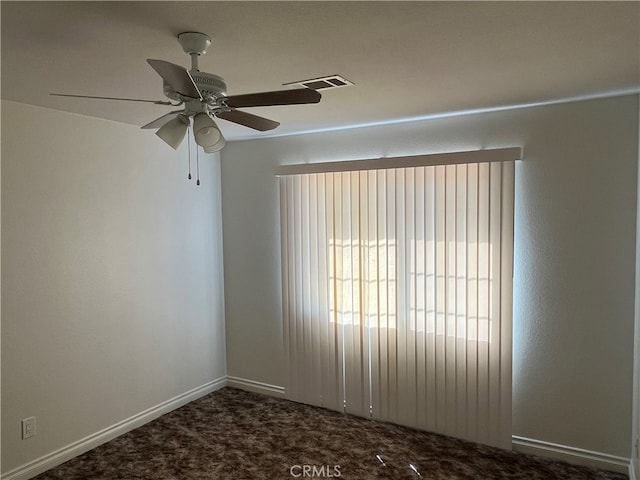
column 217, row 147
column 207, row 134
column 173, row 132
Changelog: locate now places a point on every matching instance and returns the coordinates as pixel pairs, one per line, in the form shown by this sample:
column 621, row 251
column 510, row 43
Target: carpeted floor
column 236, row 435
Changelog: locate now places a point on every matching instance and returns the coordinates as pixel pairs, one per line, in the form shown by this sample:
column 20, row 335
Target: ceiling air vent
column 321, row 83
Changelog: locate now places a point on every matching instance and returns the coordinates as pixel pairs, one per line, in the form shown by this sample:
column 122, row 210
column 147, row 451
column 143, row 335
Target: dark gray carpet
column 232, row 434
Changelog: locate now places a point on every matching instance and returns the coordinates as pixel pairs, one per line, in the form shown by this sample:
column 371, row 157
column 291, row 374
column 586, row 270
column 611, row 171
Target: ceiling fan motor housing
column 210, row 84
column 211, row 87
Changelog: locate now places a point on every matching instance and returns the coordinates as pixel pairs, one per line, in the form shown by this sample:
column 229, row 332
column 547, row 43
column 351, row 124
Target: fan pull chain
column 197, row 168
column 189, row 151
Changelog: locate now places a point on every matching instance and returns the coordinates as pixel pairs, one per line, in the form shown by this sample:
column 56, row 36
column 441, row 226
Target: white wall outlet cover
column 28, row 427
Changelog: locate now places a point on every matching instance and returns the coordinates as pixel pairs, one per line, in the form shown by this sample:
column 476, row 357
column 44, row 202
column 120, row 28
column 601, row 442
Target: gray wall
column 574, row 251
column 112, row 296
column 636, row 354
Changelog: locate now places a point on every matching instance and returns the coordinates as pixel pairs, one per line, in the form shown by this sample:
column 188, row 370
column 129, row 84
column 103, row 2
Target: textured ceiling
column 407, row 59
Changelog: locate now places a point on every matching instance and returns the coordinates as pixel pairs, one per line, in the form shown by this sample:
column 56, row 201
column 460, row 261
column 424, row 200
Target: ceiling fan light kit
column 204, row 96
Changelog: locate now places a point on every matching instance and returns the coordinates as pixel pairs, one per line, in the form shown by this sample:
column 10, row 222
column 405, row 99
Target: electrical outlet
column 28, row 427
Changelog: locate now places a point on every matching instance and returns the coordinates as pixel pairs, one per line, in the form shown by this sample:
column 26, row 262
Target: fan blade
column 157, row 102
column 295, row 96
column 158, row 122
column 176, row 76
column 248, row 120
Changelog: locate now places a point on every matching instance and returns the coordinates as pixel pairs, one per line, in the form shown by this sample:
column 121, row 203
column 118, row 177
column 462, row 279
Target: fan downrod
column 195, row 44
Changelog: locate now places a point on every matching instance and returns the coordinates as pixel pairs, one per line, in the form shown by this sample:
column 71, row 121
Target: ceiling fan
column 203, row 96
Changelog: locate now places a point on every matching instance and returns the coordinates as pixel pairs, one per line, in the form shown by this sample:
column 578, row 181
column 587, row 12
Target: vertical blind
column 397, row 295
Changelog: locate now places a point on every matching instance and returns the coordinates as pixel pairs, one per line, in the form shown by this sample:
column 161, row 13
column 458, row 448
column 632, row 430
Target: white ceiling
column 407, row 59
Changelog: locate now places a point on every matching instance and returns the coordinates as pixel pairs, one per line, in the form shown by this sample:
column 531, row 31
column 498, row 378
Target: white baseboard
column 632, row 471
column 257, row 387
column 44, row 463
column 577, row 456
